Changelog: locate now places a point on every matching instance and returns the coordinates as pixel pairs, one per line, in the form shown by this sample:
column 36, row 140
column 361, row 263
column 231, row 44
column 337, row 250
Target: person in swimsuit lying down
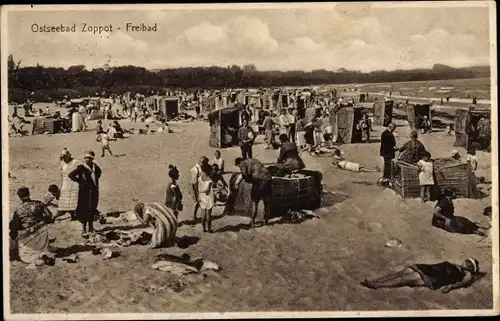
column 444, row 217
column 340, row 161
column 444, row 275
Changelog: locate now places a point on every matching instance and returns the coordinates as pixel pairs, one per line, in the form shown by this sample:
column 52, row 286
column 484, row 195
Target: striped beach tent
column 164, row 221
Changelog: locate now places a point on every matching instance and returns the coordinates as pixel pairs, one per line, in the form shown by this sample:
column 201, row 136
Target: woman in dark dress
column 445, row 219
column 413, row 150
column 444, row 275
column 87, row 175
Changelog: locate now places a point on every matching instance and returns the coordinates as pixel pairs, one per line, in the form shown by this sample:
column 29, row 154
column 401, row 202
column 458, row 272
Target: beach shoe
column 85, row 235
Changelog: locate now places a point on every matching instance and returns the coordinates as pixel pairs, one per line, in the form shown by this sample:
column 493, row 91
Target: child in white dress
column 219, row 161
column 104, row 139
column 471, row 158
column 206, row 197
column 426, row 177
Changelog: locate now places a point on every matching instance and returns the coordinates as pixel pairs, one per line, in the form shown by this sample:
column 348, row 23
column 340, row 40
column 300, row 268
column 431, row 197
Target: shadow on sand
column 186, row 241
column 367, row 183
column 73, row 249
column 246, row 227
column 331, row 198
column 120, row 227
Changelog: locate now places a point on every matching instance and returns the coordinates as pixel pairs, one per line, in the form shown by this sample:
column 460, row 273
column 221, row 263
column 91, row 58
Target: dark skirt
column 437, row 275
column 88, row 200
column 459, row 225
column 309, row 137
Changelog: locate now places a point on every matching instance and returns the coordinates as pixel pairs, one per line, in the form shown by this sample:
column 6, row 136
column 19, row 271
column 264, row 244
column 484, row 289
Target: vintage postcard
column 249, row 160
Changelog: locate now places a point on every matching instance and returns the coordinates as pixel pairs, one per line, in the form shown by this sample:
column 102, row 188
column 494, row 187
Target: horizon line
column 257, row 69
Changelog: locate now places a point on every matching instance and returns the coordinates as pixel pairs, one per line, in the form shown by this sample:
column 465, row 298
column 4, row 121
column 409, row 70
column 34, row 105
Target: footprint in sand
column 370, row 227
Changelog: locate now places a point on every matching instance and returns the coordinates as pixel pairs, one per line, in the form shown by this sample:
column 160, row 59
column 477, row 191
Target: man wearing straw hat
column 87, row 175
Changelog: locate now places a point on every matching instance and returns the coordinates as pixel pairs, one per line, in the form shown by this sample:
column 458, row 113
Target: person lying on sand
column 444, row 217
column 444, row 275
column 340, row 161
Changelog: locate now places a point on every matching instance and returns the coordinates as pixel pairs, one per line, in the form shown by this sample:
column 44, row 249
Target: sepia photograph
column 249, row 160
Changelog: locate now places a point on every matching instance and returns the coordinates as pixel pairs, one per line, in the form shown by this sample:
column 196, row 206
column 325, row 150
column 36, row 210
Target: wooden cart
column 169, row 108
column 415, row 111
column 153, row 102
column 466, row 128
column 382, row 112
column 344, row 122
column 224, row 125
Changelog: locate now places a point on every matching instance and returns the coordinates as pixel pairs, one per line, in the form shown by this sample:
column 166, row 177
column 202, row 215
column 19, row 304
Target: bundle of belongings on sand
column 295, row 192
column 118, row 238
column 183, row 117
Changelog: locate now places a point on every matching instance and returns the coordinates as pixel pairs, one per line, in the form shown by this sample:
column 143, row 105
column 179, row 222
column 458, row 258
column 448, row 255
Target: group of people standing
column 78, row 196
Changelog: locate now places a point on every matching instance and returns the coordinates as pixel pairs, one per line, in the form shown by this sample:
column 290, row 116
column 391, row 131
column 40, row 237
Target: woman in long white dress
column 68, row 199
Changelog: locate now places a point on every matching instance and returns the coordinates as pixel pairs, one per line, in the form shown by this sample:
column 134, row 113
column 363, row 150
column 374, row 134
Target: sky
column 358, row 36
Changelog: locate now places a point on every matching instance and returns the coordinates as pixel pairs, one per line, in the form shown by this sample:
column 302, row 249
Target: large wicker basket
column 458, row 176
column 295, row 193
column 452, row 174
column 286, row 193
column 404, row 179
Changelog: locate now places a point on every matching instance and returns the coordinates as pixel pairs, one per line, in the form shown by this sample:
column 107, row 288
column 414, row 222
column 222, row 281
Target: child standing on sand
column 425, row 177
column 104, row 139
column 173, row 199
column 471, row 158
column 220, row 186
column 206, row 197
column 219, row 161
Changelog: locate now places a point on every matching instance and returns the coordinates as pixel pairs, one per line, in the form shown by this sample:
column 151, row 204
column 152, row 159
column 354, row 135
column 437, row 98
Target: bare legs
column 425, row 193
column 104, row 148
column 369, row 169
column 196, row 208
column 406, row 277
column 256, row 208
column 90, row 225
column 206, row 220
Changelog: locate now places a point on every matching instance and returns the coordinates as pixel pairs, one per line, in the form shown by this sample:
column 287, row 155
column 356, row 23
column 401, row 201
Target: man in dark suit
column 388, row 148
column 246, row 137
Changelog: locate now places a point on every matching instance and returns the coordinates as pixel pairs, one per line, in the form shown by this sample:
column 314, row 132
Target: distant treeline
column 51, row 84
